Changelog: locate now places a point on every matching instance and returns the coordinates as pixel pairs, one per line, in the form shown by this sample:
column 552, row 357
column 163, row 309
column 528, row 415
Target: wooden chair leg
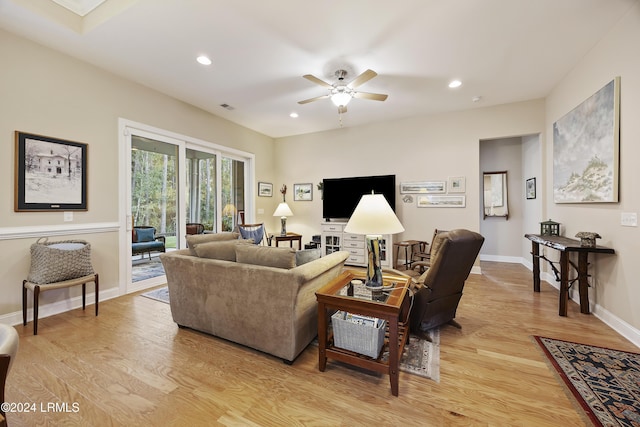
column 36, row 297
column 97, row 290
column 84, row 295
column 24, row 303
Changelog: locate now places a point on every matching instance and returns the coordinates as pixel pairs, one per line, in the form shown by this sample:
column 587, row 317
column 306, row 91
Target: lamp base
column 283, row 226
column 374, row 271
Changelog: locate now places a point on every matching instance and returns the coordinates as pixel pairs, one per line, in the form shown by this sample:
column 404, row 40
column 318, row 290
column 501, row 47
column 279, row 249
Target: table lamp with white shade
column 373, row 217
column 283, row 211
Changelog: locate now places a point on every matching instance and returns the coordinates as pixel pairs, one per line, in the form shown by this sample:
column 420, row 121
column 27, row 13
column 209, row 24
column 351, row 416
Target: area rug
column 160, row 294
column 421, row 357
column 143, row 269
column 605, row 382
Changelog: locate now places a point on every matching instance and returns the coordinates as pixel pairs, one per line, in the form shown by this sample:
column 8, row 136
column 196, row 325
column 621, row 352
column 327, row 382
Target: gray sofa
column 269, row 308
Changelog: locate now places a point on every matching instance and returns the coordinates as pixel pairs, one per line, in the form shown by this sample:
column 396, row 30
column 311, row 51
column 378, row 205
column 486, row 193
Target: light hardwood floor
column 132, row 366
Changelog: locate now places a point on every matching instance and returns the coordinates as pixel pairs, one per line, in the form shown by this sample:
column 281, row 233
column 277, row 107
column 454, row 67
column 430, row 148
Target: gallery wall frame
column 50, row 174
column 303, row 192
column 425, row 187
column 457, row 184
column 440, row 201
column 265, row 189
column 530, row 188
column 593, row 128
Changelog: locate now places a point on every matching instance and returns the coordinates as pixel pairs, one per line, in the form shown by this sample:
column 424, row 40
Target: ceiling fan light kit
column 341, row 94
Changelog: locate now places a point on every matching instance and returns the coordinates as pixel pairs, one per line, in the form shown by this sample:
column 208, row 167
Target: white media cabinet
column 334, row 238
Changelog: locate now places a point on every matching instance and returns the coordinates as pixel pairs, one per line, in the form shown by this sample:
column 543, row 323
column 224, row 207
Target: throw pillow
column 145, row 234
column 266, row 256
column 193, row 240
column 222, row 249
column 307, row 255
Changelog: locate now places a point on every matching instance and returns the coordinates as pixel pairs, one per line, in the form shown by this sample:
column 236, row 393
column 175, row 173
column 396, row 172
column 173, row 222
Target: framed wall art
column 50, row 174
column 438, row 201
column 265, row 189
column 425, row 187
column 302, row 192
column 592, row 129
column 530, row 188
column 457, row 184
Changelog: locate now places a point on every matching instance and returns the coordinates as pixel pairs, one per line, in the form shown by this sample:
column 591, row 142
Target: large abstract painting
column 586, row 149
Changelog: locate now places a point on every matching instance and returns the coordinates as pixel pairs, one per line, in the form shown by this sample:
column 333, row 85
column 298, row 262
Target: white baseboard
column 620, row 326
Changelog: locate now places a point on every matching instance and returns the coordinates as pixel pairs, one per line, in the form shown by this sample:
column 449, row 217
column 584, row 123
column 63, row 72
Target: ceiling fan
column 341, row 93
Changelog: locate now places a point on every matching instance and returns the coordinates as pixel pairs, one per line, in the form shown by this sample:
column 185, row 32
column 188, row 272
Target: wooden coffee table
column 391, row 305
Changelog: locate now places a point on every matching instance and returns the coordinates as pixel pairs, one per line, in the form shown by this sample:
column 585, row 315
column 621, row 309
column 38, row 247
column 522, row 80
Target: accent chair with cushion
column 195, row 228
column 257, row 232
column 144, row 239
column 439, row 289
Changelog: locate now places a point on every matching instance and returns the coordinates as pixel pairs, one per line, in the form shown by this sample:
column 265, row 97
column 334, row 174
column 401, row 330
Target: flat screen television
column 341, row 195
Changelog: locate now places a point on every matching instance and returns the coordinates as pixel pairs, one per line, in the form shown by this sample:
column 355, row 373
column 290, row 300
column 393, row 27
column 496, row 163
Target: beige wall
column 616, row 291
column 47, row 93
column 415, row 149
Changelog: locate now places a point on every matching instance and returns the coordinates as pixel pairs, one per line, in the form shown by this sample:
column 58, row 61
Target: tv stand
column 334, row 239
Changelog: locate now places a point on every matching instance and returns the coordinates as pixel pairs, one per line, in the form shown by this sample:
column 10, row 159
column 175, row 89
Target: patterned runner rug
column 605, row 382
column 420, row 357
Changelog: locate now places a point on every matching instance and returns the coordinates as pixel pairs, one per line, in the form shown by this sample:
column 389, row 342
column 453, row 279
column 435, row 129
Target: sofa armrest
column 315, row 268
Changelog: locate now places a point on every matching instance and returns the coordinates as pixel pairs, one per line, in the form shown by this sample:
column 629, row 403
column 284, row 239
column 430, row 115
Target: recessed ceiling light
column 293, row 115
column 455, row 83
column 204, row 60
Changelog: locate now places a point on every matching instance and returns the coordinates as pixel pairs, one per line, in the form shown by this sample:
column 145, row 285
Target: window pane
column 201, row 189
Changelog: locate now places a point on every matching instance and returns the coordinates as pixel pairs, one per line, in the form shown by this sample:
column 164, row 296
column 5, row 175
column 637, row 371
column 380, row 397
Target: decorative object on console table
column 283, row 211
column 51, row 174
column 373, row 217
column 588, row 239
column 549, row 228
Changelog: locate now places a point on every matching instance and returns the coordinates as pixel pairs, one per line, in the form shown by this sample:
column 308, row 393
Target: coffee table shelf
column 391, row 305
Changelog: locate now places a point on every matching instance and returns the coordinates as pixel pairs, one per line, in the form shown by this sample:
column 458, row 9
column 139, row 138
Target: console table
column 565, row 245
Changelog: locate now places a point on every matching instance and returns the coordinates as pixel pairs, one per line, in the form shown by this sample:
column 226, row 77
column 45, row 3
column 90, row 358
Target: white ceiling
column 503, row 51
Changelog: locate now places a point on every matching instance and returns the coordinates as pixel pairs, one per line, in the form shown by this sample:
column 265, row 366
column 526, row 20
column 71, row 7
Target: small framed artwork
column 265, row 189
column 457, row 184
column 531, row 188
column 50, row 174
column 438, row 201
column 423, row 187
column 302, row 192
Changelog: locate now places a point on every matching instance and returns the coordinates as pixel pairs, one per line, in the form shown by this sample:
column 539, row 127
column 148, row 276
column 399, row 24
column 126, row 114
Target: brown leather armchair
column 440, row 287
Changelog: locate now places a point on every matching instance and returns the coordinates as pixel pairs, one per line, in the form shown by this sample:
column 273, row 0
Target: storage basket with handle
column 53, row 262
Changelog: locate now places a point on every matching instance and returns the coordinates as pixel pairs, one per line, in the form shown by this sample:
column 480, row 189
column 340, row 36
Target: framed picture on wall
column 50, row 174
column 457, row 184
column 302, row 192
column 265, row 189
column 423, row 187
column 530, row 189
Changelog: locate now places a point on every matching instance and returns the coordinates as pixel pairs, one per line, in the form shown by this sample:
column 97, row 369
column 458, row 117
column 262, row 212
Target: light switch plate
column 629, row 219
column 260, row 211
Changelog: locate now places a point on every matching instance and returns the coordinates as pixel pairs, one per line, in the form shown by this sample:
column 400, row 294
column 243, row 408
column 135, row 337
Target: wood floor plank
column 133, row 366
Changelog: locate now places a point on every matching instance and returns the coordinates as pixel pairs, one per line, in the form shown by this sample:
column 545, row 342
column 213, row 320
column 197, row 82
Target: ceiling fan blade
column 362, row 78
column 372, row 96
column 342, row 109
column 306, row 101
column 316, row 80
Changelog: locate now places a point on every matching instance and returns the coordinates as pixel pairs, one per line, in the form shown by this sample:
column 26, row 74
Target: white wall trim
column 620, row 326
column 501, row 258
column 37, row 231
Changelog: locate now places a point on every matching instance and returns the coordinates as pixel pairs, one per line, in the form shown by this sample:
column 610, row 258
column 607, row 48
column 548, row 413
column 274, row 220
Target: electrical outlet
column 629, row 219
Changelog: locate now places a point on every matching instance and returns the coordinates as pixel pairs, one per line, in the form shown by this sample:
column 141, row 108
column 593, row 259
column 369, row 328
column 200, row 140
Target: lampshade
column 373, row 215
column 341, row 98
column 283, row 210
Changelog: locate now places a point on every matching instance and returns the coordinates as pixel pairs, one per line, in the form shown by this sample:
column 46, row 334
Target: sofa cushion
column 266, row 256
column 145, row 234
column 193, row 240
column 307, row 255
column 221, row 249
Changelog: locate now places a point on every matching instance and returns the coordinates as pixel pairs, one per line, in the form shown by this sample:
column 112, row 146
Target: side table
column 391, row 305
column 290, row 237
